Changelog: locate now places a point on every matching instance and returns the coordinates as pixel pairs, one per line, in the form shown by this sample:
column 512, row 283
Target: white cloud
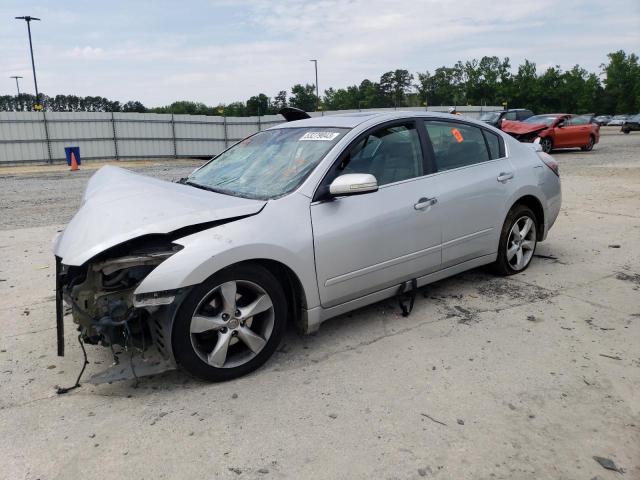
column 235, row 49
column 86, row 52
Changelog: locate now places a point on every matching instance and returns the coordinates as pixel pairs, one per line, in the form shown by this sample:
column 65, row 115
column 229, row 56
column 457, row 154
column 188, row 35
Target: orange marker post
column 74, row 162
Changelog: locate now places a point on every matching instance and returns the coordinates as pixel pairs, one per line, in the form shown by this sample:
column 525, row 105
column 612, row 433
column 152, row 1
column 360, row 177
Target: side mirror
column 353, row 184
column 560, row 124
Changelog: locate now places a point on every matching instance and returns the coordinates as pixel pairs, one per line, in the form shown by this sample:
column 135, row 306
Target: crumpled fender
column 521, row 128
column 270, row 235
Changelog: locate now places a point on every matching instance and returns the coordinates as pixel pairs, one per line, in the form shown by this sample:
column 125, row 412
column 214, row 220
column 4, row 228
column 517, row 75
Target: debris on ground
column 614, row 357
column 608, row 464
column 433, row 419
column 460, row 421
column 424, row 471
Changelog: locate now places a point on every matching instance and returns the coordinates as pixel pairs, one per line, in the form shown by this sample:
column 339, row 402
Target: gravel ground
column 47, row 198
column 526, row 377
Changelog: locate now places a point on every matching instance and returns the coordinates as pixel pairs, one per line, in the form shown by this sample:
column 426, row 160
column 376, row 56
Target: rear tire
column 626, row 132
column 518, row 241
column 230, row 324
column 588, row 147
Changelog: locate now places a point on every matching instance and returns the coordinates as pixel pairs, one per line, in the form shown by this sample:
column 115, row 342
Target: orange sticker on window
column 456, row 133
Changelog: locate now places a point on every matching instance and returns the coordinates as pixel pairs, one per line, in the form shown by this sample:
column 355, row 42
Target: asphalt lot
column 526, row 377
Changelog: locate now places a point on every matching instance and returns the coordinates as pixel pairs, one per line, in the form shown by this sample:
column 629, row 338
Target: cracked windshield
column 268, row 164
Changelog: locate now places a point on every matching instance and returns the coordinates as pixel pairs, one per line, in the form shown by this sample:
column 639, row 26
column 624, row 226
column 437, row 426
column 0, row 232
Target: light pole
column 17, row 84
column 28, row 19
column 315, row 62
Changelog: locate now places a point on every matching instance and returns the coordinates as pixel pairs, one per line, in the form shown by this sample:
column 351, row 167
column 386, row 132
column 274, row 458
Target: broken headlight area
column 528, row 137
column 100, row 297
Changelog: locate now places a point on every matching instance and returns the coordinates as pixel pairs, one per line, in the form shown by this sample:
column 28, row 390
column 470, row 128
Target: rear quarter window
column 493, row 143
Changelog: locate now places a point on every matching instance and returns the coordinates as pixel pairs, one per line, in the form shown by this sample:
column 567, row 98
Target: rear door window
column 457, row 144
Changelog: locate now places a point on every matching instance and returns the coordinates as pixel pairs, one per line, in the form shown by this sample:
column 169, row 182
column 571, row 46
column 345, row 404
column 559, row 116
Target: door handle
column 504, row 177
column 425, row 202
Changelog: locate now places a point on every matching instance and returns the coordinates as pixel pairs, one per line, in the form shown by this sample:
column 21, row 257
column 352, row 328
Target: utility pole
column 315, row 62
column 17, row 84
column 28, row 19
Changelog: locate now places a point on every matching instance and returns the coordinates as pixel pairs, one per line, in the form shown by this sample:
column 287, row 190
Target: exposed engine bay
column 99, row 295
column 527, row 137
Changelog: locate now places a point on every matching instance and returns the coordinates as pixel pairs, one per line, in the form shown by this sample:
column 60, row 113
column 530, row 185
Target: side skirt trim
column 312, row 318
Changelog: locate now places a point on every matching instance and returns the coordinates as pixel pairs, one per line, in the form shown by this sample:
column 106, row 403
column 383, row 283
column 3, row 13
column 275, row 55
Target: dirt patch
column 625, row 277
column 501, row 289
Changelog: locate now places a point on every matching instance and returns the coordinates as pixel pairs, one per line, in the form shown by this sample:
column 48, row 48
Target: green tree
column 280, row 101
column 134, row 106
column 303, row 97
column 258, row 105
column 622, row 83
column 394, row 87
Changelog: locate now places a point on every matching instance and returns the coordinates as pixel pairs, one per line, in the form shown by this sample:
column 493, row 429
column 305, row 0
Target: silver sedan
column 296, row 224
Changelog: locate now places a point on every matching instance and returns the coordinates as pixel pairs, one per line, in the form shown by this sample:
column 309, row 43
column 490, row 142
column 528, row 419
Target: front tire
column 546, row 144
column 518, row 241
column 589, row 146
column 230, row 324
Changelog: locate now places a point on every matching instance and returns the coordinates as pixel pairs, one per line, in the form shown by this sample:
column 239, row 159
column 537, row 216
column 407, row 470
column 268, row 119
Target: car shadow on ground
column 457, row 300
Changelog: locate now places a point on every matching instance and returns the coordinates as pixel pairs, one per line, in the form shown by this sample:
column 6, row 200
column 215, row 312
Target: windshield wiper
column 204, row 187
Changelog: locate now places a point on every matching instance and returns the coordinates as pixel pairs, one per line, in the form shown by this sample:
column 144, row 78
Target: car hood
column 519, row 128
column 119, row 205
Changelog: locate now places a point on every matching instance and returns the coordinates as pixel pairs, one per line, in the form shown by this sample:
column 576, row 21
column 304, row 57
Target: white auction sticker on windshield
column 323, row 136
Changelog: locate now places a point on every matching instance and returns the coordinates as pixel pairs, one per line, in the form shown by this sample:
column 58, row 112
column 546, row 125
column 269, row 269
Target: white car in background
column 617, row 120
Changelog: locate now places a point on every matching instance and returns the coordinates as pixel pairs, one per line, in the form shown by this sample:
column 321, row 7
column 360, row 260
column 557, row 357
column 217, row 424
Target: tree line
column 488, row 81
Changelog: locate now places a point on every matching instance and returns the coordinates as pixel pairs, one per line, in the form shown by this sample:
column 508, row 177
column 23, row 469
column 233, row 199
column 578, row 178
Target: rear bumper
column 553, row 210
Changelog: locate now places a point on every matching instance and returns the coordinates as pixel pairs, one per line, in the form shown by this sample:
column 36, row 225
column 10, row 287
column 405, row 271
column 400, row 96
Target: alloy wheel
column 590, row 144
column 546, row 145
column 232, row 324
column 521, row 243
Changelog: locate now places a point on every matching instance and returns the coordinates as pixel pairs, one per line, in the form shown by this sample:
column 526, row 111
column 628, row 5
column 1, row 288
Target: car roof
column 352, row 120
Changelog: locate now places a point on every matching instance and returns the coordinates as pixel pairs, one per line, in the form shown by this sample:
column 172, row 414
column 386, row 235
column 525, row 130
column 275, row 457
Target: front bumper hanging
column 59, row 308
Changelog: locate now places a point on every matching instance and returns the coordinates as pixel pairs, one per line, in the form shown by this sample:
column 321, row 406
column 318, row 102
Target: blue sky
column 222, row 50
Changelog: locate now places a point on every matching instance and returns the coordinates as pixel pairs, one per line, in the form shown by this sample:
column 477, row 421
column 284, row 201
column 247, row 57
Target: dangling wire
column 62, row 390
column 128, row 340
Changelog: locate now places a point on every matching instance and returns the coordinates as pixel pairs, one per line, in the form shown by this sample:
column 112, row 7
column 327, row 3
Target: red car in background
column 556, row 130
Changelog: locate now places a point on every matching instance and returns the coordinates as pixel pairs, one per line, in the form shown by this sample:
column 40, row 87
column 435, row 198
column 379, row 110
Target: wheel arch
column 535, row 205
column 291, row 283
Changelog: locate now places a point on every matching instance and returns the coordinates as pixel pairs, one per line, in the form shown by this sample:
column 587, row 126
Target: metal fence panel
column 41, row 137
column 199, row 148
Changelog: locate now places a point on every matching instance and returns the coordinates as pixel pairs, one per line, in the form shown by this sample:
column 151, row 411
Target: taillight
column 549, row 162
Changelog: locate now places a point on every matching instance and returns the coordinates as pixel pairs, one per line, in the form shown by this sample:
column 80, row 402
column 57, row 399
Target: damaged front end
column 527, row 137
column 100, row 297
column 522, row 131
